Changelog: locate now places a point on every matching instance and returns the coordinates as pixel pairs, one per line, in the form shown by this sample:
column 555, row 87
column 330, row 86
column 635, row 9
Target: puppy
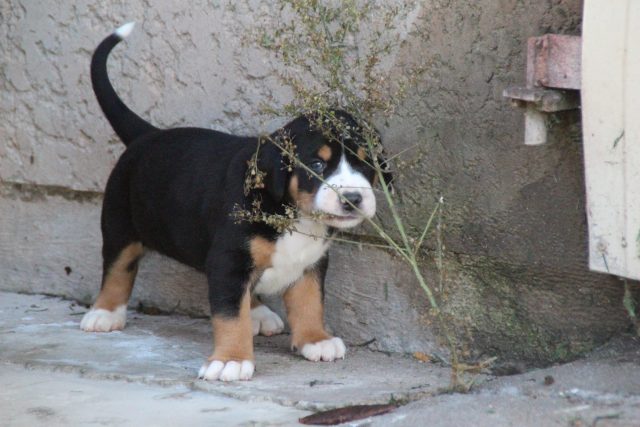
column 177, row 191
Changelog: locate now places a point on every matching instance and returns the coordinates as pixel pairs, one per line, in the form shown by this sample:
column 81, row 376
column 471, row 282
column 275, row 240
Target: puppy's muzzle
column 351, row 201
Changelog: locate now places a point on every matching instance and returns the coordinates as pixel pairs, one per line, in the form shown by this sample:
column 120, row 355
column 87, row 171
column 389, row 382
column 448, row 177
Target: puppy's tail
column 127, row 124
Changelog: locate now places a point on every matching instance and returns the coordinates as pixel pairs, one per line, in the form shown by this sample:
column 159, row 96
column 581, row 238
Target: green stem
column 426, row 229
column 389, row 199
column 434, row 304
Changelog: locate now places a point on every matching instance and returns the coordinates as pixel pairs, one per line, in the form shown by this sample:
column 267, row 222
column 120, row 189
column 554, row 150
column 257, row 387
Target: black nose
column 351, row 201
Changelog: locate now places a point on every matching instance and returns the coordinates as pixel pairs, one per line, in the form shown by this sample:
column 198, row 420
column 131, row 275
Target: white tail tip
column 124, row 31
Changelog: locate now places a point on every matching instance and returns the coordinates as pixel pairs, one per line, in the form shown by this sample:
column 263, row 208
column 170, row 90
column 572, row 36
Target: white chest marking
column 294, row 252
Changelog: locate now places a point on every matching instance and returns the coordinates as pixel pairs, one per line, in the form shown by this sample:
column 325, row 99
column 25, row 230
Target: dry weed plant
column 335, row 54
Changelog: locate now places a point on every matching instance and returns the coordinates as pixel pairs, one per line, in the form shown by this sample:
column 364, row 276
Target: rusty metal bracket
column 552, row 83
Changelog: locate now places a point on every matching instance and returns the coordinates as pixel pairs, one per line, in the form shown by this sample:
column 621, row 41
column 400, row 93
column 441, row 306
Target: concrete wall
column 516, row 283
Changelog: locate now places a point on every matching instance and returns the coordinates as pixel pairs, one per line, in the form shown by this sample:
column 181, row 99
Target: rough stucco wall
column 194, row 67
column 180, row 67
column 516, row 283
column 50, row 243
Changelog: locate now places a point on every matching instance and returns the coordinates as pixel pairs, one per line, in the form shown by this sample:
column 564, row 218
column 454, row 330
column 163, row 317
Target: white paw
column 265, row 321
column 230, row 371
column 327, row 350
column 101, row 320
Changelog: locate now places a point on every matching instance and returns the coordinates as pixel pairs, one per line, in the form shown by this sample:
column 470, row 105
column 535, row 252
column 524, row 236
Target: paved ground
column 54, row 374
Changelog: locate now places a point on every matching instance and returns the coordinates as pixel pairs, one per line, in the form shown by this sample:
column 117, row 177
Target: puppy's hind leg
column 121, row 252
column 109, row 312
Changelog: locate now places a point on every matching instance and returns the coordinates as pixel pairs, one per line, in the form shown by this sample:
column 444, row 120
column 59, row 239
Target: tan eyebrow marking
column 325, row 153
column 362, row 153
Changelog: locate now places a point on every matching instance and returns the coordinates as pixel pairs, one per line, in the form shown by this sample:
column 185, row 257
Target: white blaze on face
column 345, row 180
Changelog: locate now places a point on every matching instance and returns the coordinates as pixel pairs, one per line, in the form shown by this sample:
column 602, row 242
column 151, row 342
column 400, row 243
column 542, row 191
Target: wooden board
column 611, row 126
column 553, row 61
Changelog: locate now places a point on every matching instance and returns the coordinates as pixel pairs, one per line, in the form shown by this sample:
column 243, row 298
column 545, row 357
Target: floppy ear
column 271, row 163
column 386, row 172
column 383, row 163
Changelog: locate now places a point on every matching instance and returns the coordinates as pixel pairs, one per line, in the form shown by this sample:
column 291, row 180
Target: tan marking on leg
column 233, row 336
column 305, row 311
column 261, row 251
column 325, row 153
column 362, row 153
column 118, row 281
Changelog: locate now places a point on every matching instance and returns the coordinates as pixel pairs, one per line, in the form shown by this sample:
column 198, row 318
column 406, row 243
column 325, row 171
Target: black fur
column 175, row 190
column 125, row 122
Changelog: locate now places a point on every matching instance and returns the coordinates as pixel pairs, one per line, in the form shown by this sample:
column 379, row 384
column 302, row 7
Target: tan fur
column 261, row 251
column 118, row 282
column 305, row 311
column 304, row 200
column 362, row 153
column 233, row 336
column 325, row 153
column 293, row 187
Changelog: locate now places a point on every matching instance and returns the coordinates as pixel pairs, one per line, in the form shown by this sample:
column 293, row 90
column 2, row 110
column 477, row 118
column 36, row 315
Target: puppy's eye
column 317, row 166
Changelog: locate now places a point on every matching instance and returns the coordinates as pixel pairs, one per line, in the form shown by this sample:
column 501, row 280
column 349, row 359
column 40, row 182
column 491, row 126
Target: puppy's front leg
column 265, row 322
column 305, row 313
column 230, row 299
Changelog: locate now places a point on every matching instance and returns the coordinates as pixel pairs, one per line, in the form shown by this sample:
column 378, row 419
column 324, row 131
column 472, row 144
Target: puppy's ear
column 387, row 175
column 381, row 158
column 272, row 164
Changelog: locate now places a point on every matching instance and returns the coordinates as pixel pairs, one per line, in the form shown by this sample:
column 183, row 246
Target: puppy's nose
column 351, row 201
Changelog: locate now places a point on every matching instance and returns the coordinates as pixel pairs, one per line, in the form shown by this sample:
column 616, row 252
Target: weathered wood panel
column 610, row 111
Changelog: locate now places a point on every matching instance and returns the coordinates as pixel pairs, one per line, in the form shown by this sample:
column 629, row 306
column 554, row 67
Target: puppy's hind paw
column 101, row 320
column 327, row 350
column 229, row 371
column 265, row 322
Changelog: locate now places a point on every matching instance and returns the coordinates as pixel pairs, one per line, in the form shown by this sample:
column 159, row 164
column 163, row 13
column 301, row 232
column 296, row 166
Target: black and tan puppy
column 175, row 191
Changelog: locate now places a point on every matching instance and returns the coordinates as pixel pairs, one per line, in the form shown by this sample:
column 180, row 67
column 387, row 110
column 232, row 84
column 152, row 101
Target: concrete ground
column 54, row 374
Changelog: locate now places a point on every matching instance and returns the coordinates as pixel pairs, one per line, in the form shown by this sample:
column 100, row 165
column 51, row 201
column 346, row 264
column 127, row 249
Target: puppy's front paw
column 326, row 350
column 101, row 320
column 265, row 321
column 229, row 371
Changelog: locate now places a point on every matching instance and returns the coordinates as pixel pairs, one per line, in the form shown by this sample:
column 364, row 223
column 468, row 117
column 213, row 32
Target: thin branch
column 390, row 202
column 426, row 228
column 353, row 242
column 401, row 153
